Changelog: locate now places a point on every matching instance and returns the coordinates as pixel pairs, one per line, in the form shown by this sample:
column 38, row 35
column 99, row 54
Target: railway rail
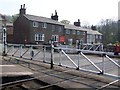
column 58, row 77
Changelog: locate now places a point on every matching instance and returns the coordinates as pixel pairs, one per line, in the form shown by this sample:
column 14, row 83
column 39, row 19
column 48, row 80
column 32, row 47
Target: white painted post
column 52, row 52
column 44, row 51
column 103, row 63
column 31, row 53
column 60, row 57
column 13, row 50
column 20, row 51
column 78, row 60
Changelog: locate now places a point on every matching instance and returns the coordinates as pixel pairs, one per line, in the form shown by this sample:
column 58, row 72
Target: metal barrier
column 61, row 57
column 112, row 61
column 70, row 59
column 27, row 51
column 77, row 66
column 92, row 47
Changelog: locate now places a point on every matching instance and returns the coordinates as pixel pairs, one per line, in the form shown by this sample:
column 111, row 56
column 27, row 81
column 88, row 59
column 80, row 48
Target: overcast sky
column 88, row 11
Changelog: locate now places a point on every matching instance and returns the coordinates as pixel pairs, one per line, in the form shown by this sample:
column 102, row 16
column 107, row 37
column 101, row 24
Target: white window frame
column 73, row 31
column 97, row 36
column 100, row 37
column 78, row 32
column 67, row 31
column 39, row 37
column 55, row 38
column 35, row 24
column 44, row 25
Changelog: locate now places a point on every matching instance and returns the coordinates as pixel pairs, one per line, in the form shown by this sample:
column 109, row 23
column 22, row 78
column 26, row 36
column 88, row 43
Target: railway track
column 58, row 78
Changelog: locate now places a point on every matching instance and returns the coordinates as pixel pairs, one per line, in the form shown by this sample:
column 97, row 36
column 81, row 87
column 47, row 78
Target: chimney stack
column 22, row 10
column 93, row 27
column 78, row 23
column 54, row 17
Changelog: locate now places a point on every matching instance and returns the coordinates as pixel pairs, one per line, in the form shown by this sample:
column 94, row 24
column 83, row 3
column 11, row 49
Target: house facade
column 9, row 32
column 75, row 35
column 93, row 37
column 30, row 29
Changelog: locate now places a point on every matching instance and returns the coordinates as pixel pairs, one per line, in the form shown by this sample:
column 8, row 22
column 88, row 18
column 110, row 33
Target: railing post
column 4, row 42
column 52, row 52
column 103, row 63
column 60, row 59
column 78, row 60
column 44, row 51
column 20, row 51
column 101, row 47
column 31, row 52
column 13, row 50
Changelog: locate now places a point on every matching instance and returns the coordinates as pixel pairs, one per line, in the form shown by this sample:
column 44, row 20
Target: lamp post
column 4, row 41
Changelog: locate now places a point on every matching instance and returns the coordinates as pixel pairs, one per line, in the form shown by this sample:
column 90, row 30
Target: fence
column 63, row 57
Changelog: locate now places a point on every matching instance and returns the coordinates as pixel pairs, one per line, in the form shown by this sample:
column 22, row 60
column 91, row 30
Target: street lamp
column 4, row 41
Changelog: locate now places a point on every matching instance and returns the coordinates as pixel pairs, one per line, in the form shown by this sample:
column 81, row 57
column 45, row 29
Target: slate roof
column 67, row 26
column 42, row 19
column 70, row 26
column 89, row 31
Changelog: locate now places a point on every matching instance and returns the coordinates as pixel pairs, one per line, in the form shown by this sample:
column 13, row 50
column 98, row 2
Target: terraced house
column 75, row 34
column 31, row 29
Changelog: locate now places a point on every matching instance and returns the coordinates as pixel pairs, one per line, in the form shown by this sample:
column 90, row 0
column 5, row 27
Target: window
column 44, row 25
column 100, row 37
column 35, row 24
column 73, row 31
column 55, row 38
column 53, row 27
column 83, row 33
column 67, row 31
column 78, row 32
column 70, row 41
column 96, row 36
column 39, row 37
column 59, row 28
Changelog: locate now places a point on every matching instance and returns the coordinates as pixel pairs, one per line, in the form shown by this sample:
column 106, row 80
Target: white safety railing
column 70, row 59
column 58, row 55
column 91, row 62
column 112, row 61
column 28, row 51
column 77, row 66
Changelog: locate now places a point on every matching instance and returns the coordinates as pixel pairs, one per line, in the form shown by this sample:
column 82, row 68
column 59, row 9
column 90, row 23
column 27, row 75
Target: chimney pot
column 52, row 14
column 77, row 23
column 55, row 12
column 24, row 6
column 21, row 6
column 54, row 17
column 22, row 9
